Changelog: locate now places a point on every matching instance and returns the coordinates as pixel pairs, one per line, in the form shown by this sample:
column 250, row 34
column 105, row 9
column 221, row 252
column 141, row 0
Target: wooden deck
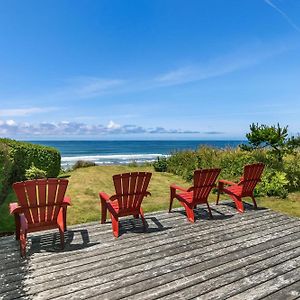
column 255, row 255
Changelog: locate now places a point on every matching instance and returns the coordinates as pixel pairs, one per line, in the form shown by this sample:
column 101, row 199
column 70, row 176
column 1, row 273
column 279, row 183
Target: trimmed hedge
column 5, row 171
column 16, row 157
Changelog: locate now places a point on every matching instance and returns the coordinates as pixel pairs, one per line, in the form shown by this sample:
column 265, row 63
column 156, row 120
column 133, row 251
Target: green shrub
column 274, row 183
column 23, row 154
column 83, row 164
column 161, row 164
column 291, row 167
column 17, row 157
column 278, row 179
column 5, row 171
column 183, row 163
column 133, row 164
column 35, row 173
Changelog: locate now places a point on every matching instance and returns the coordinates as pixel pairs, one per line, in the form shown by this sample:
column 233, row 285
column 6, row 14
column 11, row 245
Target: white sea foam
column 112, row 156
column 110, row 159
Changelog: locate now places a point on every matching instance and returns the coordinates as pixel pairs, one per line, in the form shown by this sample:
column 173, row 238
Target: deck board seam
column 185, row 226
column 230, row 282
column 286, row 286
column 108, row 231
column 213, row 277
column 122, row 269
column 124, row 247
column 262, row 282
column 196, row 242
column 227, row 262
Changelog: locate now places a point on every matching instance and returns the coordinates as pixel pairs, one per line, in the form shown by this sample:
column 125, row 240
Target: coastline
column 124, row 152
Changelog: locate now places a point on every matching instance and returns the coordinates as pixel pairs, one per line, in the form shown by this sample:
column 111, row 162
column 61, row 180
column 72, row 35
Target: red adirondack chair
column 244, row 188
column 131, row 188
column 41, row 206
column 204, row 181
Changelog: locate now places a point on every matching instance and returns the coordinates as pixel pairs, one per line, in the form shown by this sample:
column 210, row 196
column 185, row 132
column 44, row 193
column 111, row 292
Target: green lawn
column 86, row 183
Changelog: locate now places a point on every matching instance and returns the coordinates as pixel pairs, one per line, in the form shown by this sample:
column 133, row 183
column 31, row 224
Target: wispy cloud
column 65, row 128
column 283, row 14
column 219, row 66
column 19, row 112
column 89, row 87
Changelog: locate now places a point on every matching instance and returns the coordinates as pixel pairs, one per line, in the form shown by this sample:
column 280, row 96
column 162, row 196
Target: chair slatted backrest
column 41, row 199
column 131, row 188
column 204, row 181
column 252, row 175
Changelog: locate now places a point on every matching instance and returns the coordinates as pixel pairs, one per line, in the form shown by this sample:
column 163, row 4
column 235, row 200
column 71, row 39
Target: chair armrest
column 14, row 208
column 176, row 187
column 104, row 196
column 67, row 201
column 227, row 182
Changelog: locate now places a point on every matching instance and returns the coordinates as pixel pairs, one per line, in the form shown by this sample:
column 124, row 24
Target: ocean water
column 124, row 152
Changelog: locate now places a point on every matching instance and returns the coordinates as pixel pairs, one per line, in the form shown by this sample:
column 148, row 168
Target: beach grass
column 86, row 183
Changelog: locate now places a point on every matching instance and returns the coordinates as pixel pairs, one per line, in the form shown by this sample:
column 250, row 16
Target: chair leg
column 18, row 226
column 254, row 202
column 65, row 218
column 190, row 213
column 62, row 237
column 220, row 189
column 115, row 225
column 218, row 197
column 172, row 196
column 209, row 211
column 103, row 211
column 23, row 239
column 238, row 203
column 136, row 216
column 22, row 233
column 143, row 218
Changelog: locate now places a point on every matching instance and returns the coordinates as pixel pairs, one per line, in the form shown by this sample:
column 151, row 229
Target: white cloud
column 113, row 125
column 11, row 128
column 11, row 123
column 283, row 14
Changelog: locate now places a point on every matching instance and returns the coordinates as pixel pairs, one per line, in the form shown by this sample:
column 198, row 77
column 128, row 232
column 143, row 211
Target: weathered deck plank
column 163, row 258
column 144, row 250
column 241, row 256
column 108, row 243
column 288, row 292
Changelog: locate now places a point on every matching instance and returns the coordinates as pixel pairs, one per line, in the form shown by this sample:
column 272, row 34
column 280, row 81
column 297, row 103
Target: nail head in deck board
column 162, row 255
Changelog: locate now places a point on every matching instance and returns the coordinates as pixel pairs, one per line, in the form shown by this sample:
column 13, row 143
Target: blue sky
column 139, row 69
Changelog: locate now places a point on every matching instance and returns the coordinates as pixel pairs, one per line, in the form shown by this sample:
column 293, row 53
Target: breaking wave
column 111, row 159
